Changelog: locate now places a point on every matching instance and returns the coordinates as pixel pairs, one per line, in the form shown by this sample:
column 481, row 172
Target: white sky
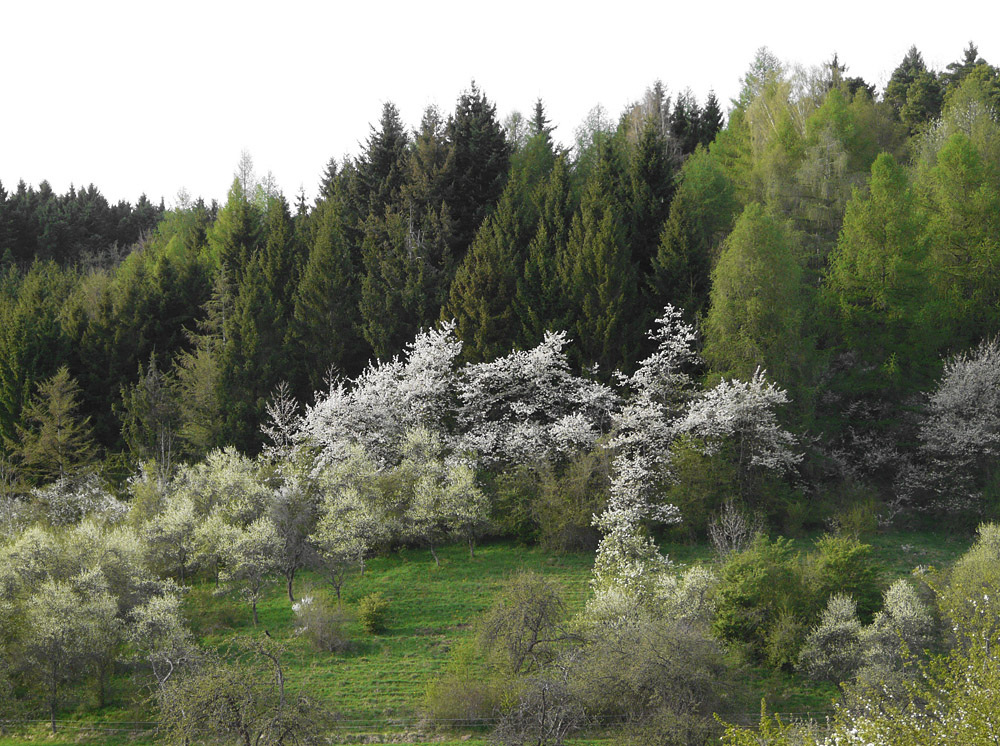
column 141, row 97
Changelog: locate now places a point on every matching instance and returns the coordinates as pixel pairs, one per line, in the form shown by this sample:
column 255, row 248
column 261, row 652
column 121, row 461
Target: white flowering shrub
column 321, row 625
column 743, row 413
column 832, row 650
column 528, row 406
column 387, row 400
column 71, row 499
column 960, row 435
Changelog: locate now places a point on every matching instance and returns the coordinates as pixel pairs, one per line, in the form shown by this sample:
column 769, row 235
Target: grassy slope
column 433, row 609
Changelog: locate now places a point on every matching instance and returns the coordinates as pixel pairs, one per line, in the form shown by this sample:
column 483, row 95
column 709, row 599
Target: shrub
column 842, row 564
column 733, row 529
column 832, row 651
column 373, row 613
column 459, row 701
column 756, row 589
column 567, row 500
column 322, row 625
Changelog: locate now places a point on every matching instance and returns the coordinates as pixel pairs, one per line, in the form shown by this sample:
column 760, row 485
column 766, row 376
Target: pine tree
column 397, row 286
column 234, row 236
column 324, row 331
column 650, row 188
column 710, row 121
column 540, row 301
column 701, row 213
column 382, row 168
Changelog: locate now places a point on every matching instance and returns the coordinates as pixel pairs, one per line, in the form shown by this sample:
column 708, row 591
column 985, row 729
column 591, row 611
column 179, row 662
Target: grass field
column 379, row 687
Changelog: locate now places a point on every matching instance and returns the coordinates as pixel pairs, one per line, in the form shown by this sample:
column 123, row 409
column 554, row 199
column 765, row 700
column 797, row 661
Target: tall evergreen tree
column 710, row 121
column 599, row 276
column 397, row 286
column 382, row 168
column 701, row 214
column 234, row 236
column 540, row 300
column 482, row 295
column 478, row 159
column 325, row 327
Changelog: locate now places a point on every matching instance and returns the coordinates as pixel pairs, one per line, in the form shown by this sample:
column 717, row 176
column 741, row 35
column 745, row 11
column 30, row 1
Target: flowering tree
column 528, row 406
column 739, row 416
column 960, row 434
column 644, row 429
column 387, row 400
column 251, row 559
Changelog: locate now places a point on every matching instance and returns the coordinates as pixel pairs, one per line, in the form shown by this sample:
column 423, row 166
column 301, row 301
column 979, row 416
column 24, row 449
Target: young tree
column 756, row 301
column 832, row 650
column 58, row 442
column 251, row 558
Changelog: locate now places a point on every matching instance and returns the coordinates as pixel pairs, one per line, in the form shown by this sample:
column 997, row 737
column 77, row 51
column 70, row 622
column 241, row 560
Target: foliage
column 58, row 444
column 241, row 703
column 373, row 613
column 522, row 630
column 321, row 625
column 832, row 649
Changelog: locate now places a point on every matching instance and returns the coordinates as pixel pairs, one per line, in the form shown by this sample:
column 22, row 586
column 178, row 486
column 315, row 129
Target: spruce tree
column 478, row 159
column 397, row 285
column 234, row 235
column 482, row 296
column 382, row 168
column 599, row 277
column 540, row 301
column 710, row 121
column 701, row 214
column 324, row 329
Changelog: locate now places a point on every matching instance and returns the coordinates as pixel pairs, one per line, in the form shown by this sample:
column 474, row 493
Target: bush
column 459, row 701
column 568, row 499
column 322, row 625
column 373, row 613
column 832, row 651
column 757, row 588
column 842, row 564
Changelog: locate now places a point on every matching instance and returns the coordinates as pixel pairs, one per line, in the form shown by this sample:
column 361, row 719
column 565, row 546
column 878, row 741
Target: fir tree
column 478, row 159
column 599, row 276
column 324, row 330
column 482, row 295
column 540, row 301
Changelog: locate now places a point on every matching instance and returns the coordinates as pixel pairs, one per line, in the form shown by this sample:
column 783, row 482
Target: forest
column 763, row 337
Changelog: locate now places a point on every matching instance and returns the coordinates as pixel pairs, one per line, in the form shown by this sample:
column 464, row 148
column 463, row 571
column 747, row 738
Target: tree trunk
column 289, row 579
column 472, row 548
column 52, row 699
column 437, row 562
column 254, row 605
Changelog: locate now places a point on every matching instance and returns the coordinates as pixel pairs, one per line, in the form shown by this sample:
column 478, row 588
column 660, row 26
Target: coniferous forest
column 761, row 333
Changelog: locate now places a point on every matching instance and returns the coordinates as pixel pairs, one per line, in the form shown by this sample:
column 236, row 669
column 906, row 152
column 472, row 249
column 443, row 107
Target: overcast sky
column 137, row 97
